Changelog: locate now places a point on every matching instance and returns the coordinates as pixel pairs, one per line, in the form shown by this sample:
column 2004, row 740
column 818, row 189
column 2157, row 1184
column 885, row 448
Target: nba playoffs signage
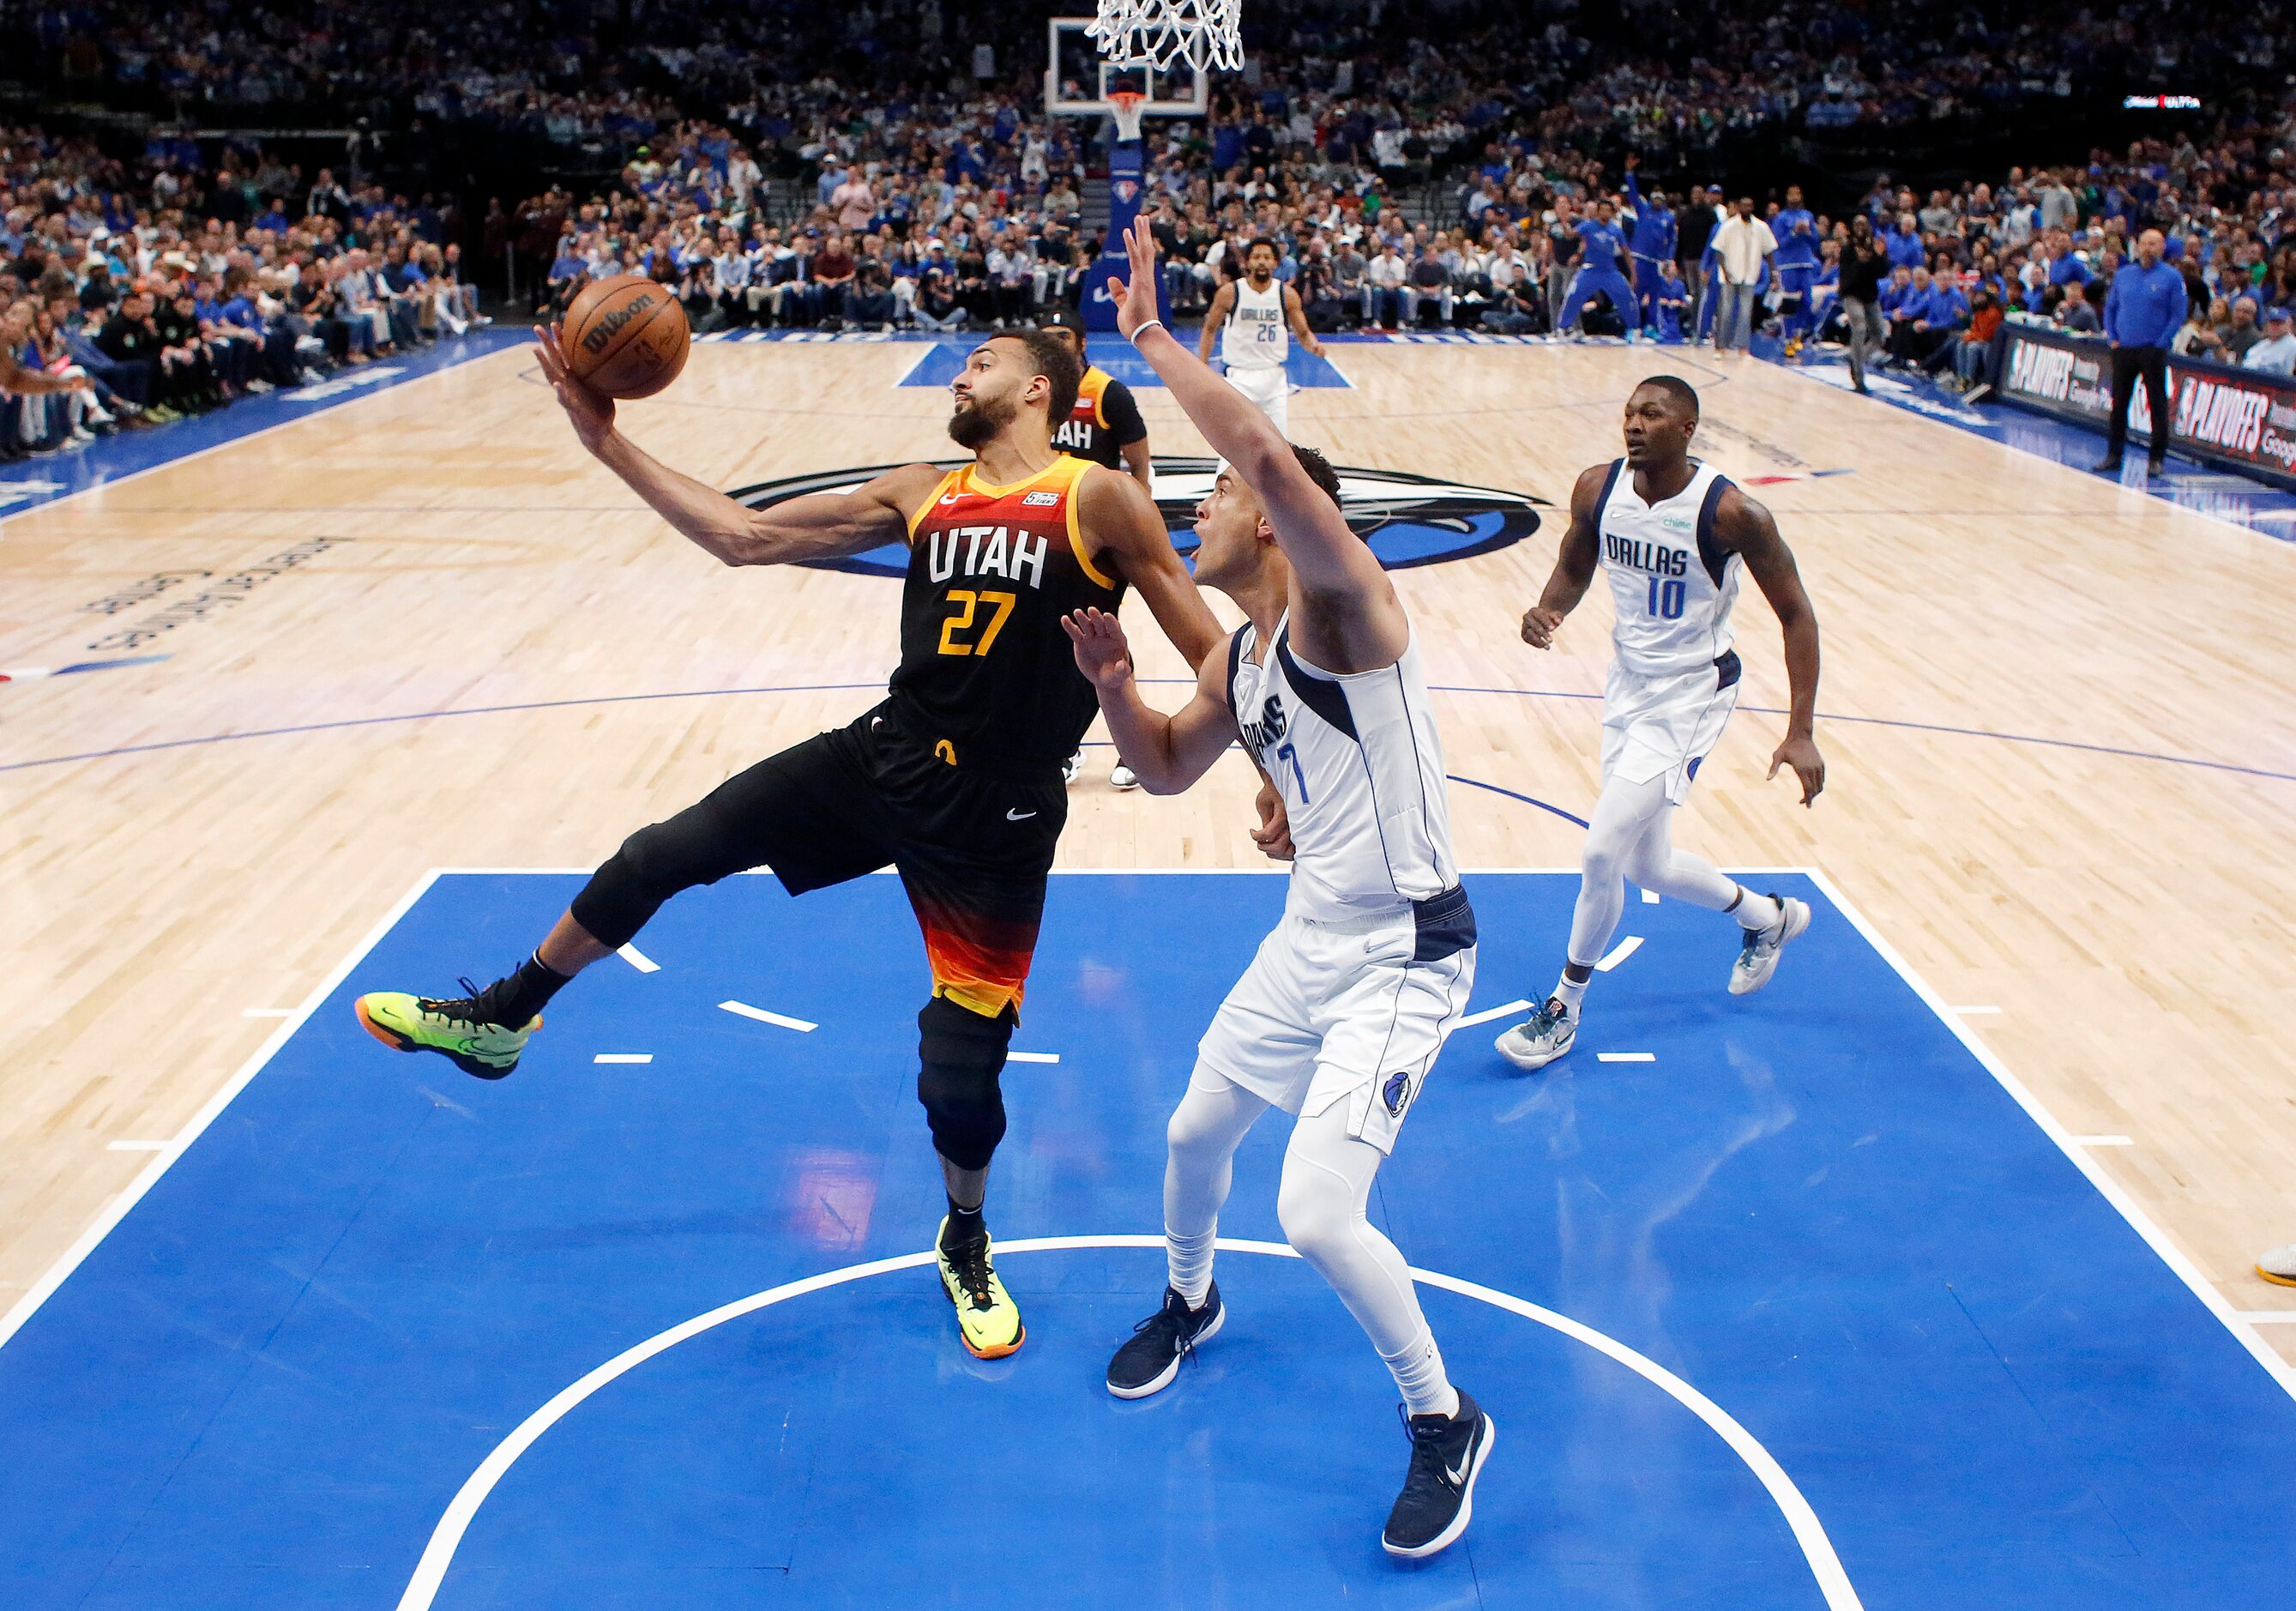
column 2234, row 417
column 1408, row 520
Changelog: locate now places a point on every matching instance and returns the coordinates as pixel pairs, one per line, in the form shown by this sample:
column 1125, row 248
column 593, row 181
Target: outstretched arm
column 1746, row 526
column 1574, row 562
column 1168, row 752
column 1357, row 623
column 824, row 525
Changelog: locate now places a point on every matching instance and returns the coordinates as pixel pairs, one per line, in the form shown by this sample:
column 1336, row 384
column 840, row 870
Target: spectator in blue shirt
column 1599, row 259
column 2144, row 308
column 1796, row 264
column 1904, row 243
column 1655, row 237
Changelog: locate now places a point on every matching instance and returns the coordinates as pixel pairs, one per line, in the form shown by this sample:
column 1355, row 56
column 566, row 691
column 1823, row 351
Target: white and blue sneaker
column 1437, row 1501
column 1758, row 957
column 1151, row 1358
column 1548, row 1033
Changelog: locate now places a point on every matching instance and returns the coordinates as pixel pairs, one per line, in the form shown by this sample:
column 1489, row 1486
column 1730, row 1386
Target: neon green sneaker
column 457, row 1028
column 988, row 1319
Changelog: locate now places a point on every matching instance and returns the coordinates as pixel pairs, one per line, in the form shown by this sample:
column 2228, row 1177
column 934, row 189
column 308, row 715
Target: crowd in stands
column 174, row 290
column 936, row 195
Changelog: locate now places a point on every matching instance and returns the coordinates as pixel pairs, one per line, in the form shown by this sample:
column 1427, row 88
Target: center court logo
column 1408, row 520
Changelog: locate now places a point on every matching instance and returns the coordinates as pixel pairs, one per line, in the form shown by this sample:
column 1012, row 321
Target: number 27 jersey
column 992, row 570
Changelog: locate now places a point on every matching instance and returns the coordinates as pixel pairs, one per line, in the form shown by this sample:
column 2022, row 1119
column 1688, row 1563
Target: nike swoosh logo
column 948, row 498
column 1457, row 1479
column 1018, row 816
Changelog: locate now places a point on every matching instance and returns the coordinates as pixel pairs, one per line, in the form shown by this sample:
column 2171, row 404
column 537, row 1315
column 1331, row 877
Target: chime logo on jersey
column 1408, row 520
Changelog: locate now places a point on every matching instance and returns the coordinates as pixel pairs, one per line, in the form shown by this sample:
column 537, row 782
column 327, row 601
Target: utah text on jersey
column 1408, row 520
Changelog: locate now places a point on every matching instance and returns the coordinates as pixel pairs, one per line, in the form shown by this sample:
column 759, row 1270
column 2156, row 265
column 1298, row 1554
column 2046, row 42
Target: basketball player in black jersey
column 1105, row 427
column 955, row 779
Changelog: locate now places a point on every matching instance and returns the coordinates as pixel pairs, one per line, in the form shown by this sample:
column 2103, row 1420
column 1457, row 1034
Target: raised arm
column 1168, row 753
column 824, row 525
column 1744, row 526
column 1333, row 567
column 1128, row 536
column 1574, row 562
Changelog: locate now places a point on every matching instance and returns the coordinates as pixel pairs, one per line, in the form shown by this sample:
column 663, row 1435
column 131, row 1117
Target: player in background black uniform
column 955, row 778
column 1105, row 427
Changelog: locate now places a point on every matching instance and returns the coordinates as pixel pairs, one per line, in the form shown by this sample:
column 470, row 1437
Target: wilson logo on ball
column 601, row 331
column 1407, row 520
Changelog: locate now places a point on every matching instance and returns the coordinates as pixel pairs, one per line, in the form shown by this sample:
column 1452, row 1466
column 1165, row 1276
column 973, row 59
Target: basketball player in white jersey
column 1257, row 317
column 1674, row 536
column 1341, row 1015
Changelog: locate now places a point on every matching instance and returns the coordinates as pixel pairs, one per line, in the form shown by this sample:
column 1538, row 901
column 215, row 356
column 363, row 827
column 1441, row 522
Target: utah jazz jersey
column 1104, row 422
column 985, row 666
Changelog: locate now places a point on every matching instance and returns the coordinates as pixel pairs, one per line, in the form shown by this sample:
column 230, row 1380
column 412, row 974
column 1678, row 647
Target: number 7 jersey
column 992, row 569
column 1672, row 583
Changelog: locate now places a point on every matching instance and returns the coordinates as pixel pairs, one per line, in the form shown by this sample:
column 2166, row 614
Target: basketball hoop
column 1201, row 33
column 1125, row 105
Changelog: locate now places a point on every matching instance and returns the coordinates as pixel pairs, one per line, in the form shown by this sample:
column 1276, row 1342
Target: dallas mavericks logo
column 1408, row 520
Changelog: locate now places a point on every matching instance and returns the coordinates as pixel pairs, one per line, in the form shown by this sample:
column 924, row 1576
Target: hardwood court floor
column 2127, row 914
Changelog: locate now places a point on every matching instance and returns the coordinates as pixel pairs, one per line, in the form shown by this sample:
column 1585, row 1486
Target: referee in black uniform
column 1105, row 427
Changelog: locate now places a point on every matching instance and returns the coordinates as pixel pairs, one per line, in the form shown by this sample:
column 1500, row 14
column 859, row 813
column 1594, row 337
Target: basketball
column 625, row 336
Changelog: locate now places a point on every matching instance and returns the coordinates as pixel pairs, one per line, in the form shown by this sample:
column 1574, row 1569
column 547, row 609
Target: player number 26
column 964, row 604
column 1666, row 599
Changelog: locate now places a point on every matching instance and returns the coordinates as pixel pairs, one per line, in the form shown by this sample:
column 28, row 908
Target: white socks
column 1418, row 1372
column 1189, row 1259
column 1756, row 912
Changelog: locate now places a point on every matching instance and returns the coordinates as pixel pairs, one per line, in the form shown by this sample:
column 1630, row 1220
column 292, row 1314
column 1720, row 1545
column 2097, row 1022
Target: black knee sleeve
column 960, row 1055
column 653, row 864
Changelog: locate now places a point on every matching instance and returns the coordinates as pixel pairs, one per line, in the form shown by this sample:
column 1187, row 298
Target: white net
column 1201, row 33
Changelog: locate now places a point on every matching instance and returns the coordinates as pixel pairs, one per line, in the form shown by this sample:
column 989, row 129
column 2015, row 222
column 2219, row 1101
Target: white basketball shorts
column 1271, row 390
column 1664, row 726
column 1331, row 1012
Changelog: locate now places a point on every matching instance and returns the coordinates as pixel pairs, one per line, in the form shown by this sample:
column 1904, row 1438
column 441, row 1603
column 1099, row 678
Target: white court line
column 116, row 1209
column 447, row 1537
column 1032, row 1056
column 623, row 1058
column 1650, row 897
column 2139, row 1221
column 1618, row 953
column 1489, row 1013
column 1626, row 1057
column 1976, row 1012
column 745, row 1010
column 268, row 1012
column 135, row 1146
column 2102, row 1142
column 638, row 959
column 2269, row 1317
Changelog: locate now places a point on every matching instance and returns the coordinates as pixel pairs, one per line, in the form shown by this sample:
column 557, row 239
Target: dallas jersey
column 1360, row 767
column 992, row 570
column 1349, row 997
column 1256, row 335
column 1672, row 584
column 1675, row 682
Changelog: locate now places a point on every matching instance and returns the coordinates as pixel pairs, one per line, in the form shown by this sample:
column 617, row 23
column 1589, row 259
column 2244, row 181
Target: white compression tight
column 1631, row 836
column 1326, row 1184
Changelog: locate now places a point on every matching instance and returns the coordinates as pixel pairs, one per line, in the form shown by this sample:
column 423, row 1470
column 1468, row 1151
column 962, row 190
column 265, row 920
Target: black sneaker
column 1151, row 1358
column 1439, row 1491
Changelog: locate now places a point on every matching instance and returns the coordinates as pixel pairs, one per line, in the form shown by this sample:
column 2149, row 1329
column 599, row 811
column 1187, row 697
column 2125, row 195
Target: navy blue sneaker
column 1151, row 1358
column 1448, row 1452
